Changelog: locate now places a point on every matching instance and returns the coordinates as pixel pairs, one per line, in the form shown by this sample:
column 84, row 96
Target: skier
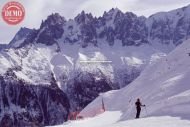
column 138, row 107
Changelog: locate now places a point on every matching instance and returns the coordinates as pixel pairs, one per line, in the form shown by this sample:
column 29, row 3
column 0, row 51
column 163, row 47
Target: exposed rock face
column 23, row 104
column 86, row 87
column 51, row 29
column 3, row 46
column 172, row 27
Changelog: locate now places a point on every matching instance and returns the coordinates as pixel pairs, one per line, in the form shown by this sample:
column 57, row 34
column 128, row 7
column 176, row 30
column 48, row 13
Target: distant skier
column 138, row 107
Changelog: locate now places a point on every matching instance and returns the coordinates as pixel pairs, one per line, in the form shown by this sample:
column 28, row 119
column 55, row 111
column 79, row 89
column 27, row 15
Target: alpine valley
column 47, row 73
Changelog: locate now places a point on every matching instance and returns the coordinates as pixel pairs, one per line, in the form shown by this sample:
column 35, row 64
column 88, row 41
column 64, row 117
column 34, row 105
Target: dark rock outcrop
column 26, row 104
column 84, row 88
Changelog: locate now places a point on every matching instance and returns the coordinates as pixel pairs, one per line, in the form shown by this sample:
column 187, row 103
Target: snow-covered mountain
column 114, row 27
column 163, row 86
column 82, row 57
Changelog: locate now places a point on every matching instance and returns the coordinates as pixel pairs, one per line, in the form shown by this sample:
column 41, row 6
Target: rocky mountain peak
column 112, row 14
column 84, row 17
column 52, row 20
column 51, row 29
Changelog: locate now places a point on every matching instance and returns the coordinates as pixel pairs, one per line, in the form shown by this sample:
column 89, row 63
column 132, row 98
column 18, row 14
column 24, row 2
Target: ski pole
column 146, row 110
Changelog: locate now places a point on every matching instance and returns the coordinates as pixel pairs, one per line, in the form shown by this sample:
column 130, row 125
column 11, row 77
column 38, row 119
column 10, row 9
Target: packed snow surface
column 111, row 119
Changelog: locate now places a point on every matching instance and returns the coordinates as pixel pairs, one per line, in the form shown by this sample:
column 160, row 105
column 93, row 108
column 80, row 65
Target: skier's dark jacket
column 138, row 105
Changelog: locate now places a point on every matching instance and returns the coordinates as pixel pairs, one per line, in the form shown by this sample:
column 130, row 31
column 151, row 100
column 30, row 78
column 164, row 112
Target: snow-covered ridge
column 36, row 62
column 162, row 30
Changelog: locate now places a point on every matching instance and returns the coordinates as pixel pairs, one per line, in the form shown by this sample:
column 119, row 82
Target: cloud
column 96, row 7
column 37, row 10
column 149, row 7
column 163, row 2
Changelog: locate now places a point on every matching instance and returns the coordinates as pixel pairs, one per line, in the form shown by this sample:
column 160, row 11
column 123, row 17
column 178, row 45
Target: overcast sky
column 36, row 10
